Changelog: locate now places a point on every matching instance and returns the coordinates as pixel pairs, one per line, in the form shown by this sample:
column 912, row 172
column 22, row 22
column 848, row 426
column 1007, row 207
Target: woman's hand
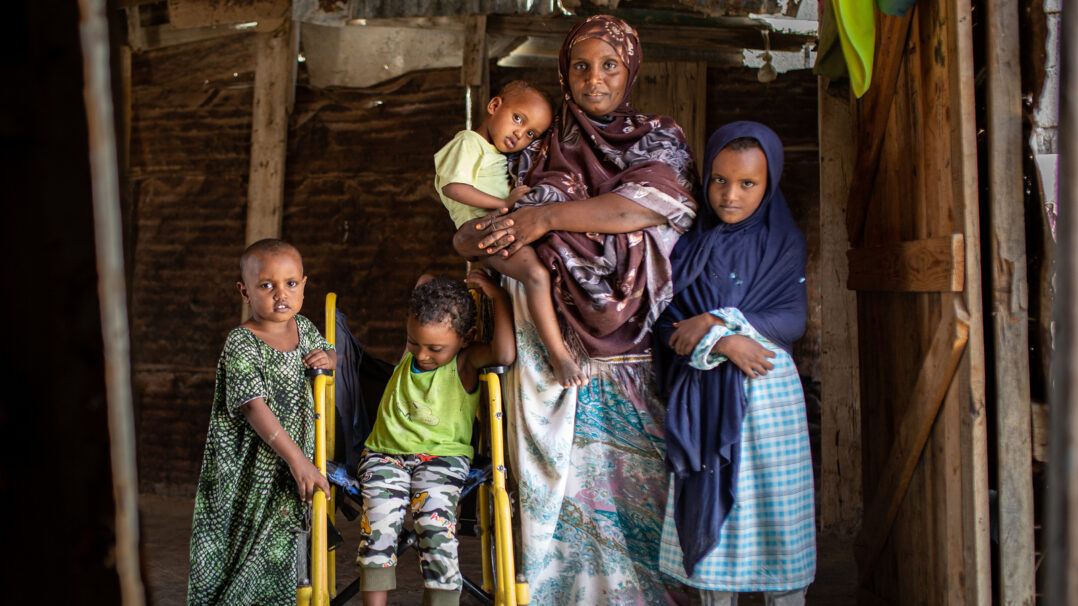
column 307, row 479
column 467, row 239
column 525, row 226
column 746, row 354
column 688, row 332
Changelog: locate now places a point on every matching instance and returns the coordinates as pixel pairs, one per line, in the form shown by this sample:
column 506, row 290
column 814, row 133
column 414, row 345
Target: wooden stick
column 112, row 292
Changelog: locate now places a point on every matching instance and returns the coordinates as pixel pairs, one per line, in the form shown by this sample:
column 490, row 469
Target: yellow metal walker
column 317, row 573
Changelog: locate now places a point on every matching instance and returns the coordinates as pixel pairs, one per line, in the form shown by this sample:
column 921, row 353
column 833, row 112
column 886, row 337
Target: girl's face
column 433, row 345
column 273, row 285
column 737, row 183
column 597, row 77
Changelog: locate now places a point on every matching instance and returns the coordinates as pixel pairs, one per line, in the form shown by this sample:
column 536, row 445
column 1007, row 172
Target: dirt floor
column 166, row 529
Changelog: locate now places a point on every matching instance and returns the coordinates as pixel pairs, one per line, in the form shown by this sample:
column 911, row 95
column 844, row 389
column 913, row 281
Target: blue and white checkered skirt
column 768, row 541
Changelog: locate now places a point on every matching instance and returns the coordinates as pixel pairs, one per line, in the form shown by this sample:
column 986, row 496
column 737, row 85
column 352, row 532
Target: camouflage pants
column 430, row 486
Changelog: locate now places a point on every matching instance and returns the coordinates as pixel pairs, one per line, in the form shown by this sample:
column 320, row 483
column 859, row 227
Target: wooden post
column 269, row 132
column 112, row 292
column 1010, row 316
column 971, row 565
column 840, row 423
column 1062, row 530
column 474, row 71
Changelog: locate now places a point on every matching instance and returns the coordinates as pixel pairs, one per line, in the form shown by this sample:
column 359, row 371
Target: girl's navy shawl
column 758, row 267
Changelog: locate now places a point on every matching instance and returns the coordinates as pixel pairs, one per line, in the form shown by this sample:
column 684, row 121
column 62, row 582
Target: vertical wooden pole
column 841, row 498
column 970, row 568
column 112, row 292
column 1010, row 316
column 269, row 132
column 475, row 73
column 1062, row 529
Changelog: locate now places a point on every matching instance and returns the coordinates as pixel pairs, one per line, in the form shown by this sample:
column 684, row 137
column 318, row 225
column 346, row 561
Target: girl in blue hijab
column 740, row 516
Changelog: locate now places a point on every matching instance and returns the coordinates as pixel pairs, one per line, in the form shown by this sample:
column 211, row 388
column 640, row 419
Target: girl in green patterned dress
column 257, row 471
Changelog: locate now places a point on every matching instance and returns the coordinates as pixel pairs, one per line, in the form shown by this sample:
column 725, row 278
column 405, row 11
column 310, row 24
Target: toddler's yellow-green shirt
column 472, row 160
column 425, row 413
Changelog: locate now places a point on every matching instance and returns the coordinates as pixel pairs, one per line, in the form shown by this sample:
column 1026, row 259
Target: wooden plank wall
column 359, row 204
column 926, row 188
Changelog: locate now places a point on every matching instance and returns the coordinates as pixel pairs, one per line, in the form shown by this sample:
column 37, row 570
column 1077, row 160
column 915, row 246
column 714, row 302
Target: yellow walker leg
column 507, row 591
column 322, row 565
column 330, row 436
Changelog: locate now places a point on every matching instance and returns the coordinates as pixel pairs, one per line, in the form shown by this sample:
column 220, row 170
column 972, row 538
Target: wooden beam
column 681, row 36
column 930, row 265
column 841, row 499
column 731, row 34
column 875, row 107
column 1061, row 579
column 201, row 13
column 143, row 38
column 475, row 69
column 1010, row 306
column 114, row 4
column 912, row 431
column 274, row 61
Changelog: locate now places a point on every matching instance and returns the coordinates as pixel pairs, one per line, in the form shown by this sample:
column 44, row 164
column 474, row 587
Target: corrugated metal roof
column 340, row 12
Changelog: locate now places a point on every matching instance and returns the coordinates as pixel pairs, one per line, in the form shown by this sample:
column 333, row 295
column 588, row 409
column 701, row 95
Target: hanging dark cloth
column 758, row 267
column 359, row 379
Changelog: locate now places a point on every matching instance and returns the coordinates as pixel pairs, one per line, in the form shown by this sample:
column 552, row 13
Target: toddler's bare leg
column 525, row 266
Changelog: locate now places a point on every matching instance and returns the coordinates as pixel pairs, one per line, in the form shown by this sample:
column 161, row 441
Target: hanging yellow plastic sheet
column 856, row 25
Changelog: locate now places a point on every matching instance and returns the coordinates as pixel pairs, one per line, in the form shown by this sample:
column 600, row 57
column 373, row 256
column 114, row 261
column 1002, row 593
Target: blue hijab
column 758, row 267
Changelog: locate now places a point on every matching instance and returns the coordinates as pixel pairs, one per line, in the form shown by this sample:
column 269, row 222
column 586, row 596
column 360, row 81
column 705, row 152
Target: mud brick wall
column 359, row 204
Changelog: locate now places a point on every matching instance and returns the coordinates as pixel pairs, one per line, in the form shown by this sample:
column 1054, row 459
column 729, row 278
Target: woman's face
column 597, row 77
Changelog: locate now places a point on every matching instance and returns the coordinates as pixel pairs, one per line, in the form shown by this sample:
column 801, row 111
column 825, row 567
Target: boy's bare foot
column 566, row 370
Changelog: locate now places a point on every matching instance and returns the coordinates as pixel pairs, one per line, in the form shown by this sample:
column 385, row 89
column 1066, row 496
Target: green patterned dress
column 243, row 544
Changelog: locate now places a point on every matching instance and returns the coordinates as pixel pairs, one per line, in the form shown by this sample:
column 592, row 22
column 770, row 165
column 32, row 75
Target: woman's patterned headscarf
column 621, row 37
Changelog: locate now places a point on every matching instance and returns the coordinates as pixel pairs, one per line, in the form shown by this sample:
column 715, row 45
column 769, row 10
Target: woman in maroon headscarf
column 610, row 196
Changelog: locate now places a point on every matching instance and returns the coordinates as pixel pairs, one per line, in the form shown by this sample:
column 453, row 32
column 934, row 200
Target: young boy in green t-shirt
column 419, row 450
